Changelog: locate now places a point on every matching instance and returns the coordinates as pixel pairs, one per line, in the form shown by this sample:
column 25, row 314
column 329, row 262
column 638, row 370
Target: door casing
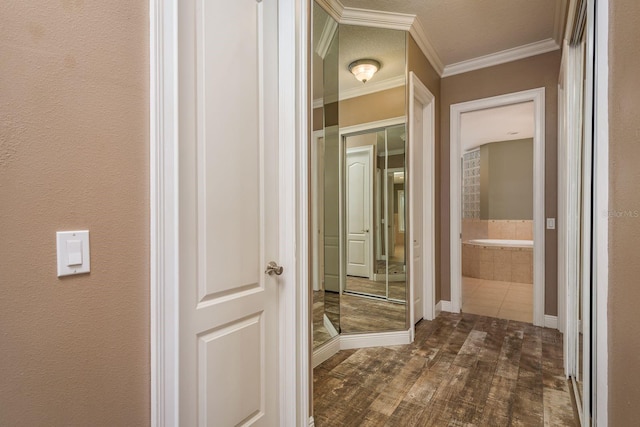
column 538, row 98
column 294, row 326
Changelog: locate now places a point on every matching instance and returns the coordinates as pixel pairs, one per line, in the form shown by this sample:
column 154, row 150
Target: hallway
column 462, row 370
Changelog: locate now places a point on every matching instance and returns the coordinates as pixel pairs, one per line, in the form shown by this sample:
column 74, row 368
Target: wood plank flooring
column 462, row 370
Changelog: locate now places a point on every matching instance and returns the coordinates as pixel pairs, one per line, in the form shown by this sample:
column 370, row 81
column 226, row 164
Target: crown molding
column 377, row 19
column 408, row 22
column 560, row 21
column 333, row 7
column 502, row 57
column 328, row 31
column 372, row 87
column 420, row 36
column 366, row 89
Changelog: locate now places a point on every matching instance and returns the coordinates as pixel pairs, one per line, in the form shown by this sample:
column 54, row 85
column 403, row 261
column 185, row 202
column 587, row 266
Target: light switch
column 551, row 223
column 73, row 252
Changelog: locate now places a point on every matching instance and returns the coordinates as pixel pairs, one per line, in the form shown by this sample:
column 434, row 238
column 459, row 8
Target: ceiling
column 385, row 46
column 496, row 124
column 462, row 30
column 458, row 36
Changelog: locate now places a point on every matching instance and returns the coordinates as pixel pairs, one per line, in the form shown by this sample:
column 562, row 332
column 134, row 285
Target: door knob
column 273, row 268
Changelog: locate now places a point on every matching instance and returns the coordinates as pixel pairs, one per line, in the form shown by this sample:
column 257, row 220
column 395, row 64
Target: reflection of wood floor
column 359, row 314
column 355, row 315
column 395, row 267
column 462, row 370
column 397, row 290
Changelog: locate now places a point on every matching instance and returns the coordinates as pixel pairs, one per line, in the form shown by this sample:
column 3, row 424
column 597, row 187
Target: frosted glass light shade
column 364, row 69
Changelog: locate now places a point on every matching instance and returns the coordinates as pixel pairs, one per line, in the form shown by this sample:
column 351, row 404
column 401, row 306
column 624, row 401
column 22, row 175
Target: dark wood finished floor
column 397, row 290
column 462, row 370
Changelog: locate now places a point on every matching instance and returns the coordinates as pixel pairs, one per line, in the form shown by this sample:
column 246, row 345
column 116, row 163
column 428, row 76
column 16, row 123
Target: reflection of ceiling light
column 364, row 69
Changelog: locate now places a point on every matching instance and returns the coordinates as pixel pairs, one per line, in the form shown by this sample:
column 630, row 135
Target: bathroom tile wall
column 497, row 229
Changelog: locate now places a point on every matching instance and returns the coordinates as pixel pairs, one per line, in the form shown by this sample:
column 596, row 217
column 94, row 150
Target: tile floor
column 504, row 300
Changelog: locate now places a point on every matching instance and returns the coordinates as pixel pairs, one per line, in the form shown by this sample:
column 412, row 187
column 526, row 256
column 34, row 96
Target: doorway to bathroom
column 497, row 207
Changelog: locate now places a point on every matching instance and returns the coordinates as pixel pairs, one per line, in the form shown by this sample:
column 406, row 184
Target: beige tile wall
column 497, row 229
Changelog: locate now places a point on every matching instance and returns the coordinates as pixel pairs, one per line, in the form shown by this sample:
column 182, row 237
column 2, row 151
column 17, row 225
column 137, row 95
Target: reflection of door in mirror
column 359, row 215
column 375, row 215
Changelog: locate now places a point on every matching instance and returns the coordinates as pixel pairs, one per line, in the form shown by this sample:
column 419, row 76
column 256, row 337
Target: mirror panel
column 324, row 171
column 373, row 233
column 358, row 195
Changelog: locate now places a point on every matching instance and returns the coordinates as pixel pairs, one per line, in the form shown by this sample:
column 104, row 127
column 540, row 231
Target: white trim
column 559, row 21
column 315, row 222
column 508, row 55
column 377, row 18
column 334, row 8
column 538, row 97
column 446, row 306
column 379, row 339
column 601, row 207
column 329, row 326
column 425, row 45
column 438, row 309
column 372, row 87
column 418, row 91
column 328, row 31
column 293, row 52
column 326, row 350
column 369, row 88
column 163, row 194
column 550, row 321
column 364, row 127
column 312, row 422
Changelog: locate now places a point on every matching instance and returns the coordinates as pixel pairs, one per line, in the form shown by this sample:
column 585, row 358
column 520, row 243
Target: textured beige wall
column 74, row 155
column 624, row 207
column 529, row 73
column 386, row 104
column 506, row 180
column 418, row 63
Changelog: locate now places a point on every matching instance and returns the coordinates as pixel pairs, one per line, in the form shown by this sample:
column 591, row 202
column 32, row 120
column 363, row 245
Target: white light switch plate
column 73, row 252
column 551, row 223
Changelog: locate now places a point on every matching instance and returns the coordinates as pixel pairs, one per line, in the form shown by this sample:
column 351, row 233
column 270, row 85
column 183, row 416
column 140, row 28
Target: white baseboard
column 446, row 306
column 438, row 309
column 327, row 350
column 329, row 326
column 550, row 321
column 375, row 339
column 312, row 422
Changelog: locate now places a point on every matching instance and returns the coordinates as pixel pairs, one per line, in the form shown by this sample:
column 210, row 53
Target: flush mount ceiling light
column 364, row 69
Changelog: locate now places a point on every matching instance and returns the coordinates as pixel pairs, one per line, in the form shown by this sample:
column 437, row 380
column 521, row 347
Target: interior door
column 359, row 192
column 228, row 186
column 416, row 212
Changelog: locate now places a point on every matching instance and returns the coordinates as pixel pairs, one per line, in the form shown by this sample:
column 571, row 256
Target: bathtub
column 502, row 243
column 498, row 259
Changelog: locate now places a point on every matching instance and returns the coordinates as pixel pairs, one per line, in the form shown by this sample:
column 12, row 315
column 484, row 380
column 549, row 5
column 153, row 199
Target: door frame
column 294, row 325
column 418, row 91
column 538, row 98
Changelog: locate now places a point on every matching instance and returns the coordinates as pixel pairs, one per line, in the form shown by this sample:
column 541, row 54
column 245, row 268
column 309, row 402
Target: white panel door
column 359, row 192
column 228, row 181
column 417, row 217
